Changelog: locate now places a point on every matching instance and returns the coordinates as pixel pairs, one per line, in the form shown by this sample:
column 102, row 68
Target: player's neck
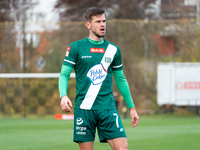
column 95, row 38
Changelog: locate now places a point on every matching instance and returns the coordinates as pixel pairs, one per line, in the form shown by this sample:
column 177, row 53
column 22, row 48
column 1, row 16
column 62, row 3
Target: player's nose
column 103, row 23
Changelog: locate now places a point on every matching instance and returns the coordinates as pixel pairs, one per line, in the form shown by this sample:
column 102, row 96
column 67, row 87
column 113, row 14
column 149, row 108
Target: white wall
column 42, row 17
column 190, row 2
column 43, row 11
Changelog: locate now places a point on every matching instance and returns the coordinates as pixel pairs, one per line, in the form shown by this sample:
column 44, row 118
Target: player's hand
column 65, row 104
column 134, row 117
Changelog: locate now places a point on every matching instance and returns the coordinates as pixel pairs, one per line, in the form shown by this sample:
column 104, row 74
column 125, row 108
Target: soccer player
column 95, row 60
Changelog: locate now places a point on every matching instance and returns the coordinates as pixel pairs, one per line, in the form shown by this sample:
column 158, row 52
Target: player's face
column 98, row 26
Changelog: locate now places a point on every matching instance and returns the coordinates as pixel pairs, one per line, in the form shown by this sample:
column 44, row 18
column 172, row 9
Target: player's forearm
column 63, row 80
column 123, row 87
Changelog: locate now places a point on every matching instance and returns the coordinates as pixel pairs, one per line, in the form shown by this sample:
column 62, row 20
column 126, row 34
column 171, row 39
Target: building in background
column 173, row 9
column 40, row 19
column 179, row 9
column 170, row 9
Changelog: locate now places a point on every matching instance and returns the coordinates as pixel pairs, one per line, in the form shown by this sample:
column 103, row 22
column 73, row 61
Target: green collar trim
column 96, row 42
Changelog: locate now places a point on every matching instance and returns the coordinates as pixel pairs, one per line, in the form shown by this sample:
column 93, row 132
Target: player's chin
column 102, row 35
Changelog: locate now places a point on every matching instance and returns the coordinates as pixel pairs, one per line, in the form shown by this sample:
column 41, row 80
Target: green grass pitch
column 154, row 132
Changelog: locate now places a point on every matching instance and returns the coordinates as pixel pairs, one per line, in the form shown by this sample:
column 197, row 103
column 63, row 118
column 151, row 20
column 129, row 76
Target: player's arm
column 123, row 87
column 62, row 86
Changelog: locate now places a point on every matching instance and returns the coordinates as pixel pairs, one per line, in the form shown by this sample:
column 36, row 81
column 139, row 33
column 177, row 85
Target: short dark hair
column 94, row 11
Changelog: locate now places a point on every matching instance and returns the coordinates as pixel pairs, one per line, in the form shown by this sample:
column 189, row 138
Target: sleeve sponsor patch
column 68, row 49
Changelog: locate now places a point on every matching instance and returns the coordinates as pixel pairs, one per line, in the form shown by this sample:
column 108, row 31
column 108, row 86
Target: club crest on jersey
column 97, row 74
column 97, row 50
column 108, row 59
column 68, row 49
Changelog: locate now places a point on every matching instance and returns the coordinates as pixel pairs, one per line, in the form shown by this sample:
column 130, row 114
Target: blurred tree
column 11, row 32
column 190, row 46
column 55, row 52
column 7, row 40
column 13, row 10
column 4, row 11
column 118, row 9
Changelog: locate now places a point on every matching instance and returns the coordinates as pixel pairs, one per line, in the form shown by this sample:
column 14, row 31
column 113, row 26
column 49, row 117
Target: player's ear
column 87, row 24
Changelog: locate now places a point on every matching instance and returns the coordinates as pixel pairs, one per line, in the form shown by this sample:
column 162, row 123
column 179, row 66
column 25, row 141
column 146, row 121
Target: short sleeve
column 70, row 57
column 117, row 61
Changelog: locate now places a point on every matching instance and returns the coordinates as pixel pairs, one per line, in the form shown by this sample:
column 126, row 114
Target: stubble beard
column 97, row 35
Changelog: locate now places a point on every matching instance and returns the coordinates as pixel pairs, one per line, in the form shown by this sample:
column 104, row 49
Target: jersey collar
column 96, row 42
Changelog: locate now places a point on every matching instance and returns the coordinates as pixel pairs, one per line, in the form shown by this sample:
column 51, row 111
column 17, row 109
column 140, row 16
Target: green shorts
column 107, row 122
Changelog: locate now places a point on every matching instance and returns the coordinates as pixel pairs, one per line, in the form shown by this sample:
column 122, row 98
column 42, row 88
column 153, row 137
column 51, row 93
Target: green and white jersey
column 93, row 65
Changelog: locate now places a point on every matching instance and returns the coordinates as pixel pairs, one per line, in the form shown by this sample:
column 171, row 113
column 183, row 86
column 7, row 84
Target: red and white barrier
column 64, row 116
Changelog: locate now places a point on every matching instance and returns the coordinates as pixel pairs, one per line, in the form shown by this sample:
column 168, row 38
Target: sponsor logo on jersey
column 97, row 74
column 68, row 49
column 97, row 50
column 86, row 56
column 79, row 121
column 81, row 133
column 81, row 128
